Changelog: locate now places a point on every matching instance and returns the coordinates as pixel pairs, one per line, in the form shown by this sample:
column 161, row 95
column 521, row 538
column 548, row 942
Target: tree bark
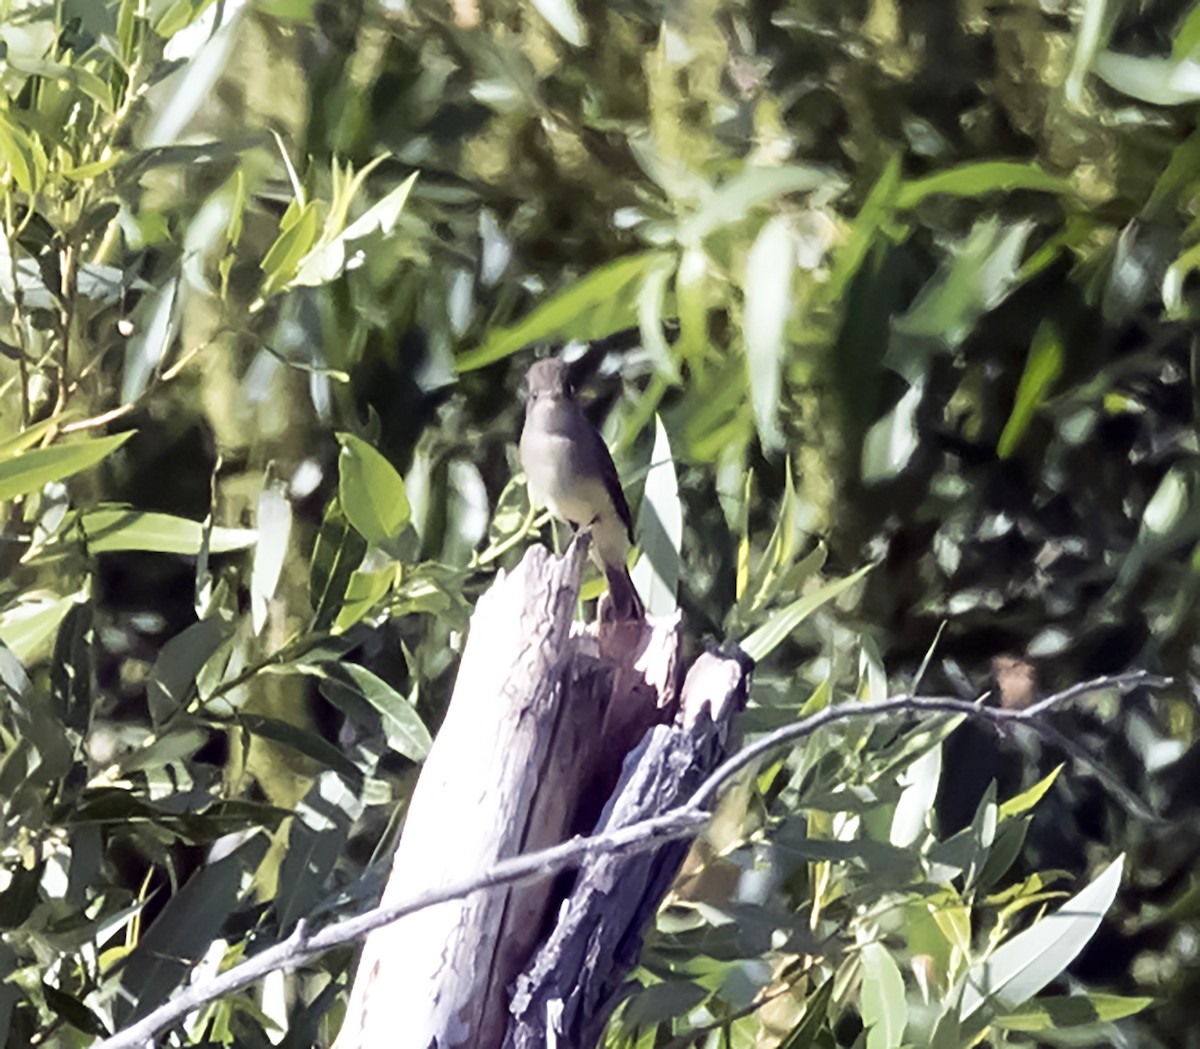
column 543, row 717
column 568, row 992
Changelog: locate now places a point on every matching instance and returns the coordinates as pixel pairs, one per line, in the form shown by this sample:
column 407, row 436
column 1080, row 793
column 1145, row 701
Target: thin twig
column 683, row 821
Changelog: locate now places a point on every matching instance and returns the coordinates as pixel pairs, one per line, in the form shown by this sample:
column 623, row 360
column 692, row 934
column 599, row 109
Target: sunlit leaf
column 890, row 443
column 1027, row 799
column 752, row 187
column 979, row 179
column 1023, row 965
column 770, row 268
column 1087, row 42
column 659, row 530
column 293, row 243
column 1058, row 1013
column 27, row 625
column 1042, row 369
column 1160, row 81
column 884, row 1010
column 110, row 530
column 273, row 524
column 155, row 331
column 597, row 305
column 780, row 553
column 406, row 733
column 327, row 261
column 338, row 552
column 28, row 471
column 564, row 17
column 850, row 255
column 764, row 640
column 370, row 491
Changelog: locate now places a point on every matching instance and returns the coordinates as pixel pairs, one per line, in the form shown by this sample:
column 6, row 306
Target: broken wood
column 542, row 716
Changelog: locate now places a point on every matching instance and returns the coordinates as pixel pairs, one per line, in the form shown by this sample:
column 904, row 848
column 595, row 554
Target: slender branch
column 683, row 821
column 18, row 315
column 113, row 414
column 905, row 702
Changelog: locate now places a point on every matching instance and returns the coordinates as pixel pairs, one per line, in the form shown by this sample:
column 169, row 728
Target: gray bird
column 570, row 472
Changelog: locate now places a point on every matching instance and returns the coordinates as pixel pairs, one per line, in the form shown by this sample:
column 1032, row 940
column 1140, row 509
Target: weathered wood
column 527, row 736
column 578, row 977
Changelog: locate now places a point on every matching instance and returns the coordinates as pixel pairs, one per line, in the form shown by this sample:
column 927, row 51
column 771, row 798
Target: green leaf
column 692, row 303
column 884, row 1009
column 660, row 530
column 850, row 255
column 660, row 1002
column 1023, row 965
column 178, row 16
column 303, row 741
column 1042, row 369
column 1026, row 800
column 327, row 261
column 979, row 179
column 770, row 269
column 295, row 240
column 72, row 668
column 967, row 850
column 28, row 471
column 371, row 491
column 597, row 305
column 111, row 530
column 651, row 304
column 17, row 154
column 1010, row 839
column 780, row 553
column 981, row 272
column 173, row 680
column 753, row 187
column 920, row 783
column 338, row 552
column 1168, row 504
column 764, row 640
column 815, row 1019
column 1159, row 81
column 189, row 922
column 289, row 10
column 1055, row 1013
column 71, row 1009
column 563, row 16
column 406, row 732
column 158, row 323
column 28, row 437
column 365, row 591
column 316, row 841
column 33, row 620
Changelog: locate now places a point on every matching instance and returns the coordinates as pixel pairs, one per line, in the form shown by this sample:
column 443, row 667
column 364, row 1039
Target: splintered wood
column 534, row 742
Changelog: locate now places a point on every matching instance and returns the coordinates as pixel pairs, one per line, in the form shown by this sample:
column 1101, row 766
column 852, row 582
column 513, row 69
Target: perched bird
column 570, row 472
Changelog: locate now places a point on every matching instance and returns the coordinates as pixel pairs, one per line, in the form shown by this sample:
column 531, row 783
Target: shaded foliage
column 904, row 283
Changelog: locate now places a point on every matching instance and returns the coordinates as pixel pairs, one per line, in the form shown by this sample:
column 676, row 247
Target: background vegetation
column 904, row 283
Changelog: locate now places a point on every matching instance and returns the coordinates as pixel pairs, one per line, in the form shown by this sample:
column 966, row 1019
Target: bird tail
column 626, row 601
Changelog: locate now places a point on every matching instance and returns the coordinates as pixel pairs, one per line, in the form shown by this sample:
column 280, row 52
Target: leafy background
column 904, row 284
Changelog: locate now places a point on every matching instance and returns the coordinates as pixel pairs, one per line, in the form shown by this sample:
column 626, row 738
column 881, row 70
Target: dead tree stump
column 542, row 717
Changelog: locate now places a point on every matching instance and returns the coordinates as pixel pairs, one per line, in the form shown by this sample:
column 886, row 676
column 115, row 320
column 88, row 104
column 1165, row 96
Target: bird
column 570, row 472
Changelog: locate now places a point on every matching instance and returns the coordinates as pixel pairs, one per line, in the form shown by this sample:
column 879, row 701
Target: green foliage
column 899, row 298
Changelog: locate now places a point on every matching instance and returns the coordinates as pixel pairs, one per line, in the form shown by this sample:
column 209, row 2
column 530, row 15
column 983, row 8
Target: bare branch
column 684, row 821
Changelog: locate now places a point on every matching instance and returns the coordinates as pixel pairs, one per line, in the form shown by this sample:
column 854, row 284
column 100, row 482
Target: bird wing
column 612, row 482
